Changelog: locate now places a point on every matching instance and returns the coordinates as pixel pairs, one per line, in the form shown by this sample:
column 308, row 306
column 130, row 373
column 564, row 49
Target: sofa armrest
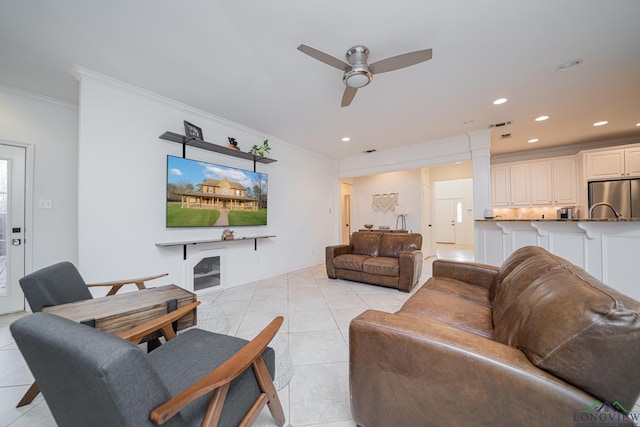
column 470, row 272
column 333, row 251
column 410, row 370
column 410, row 269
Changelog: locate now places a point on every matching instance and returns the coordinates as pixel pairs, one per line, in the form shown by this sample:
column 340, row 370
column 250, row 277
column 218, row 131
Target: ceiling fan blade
column 347, row 97
column 323, row 57
column 400, row 61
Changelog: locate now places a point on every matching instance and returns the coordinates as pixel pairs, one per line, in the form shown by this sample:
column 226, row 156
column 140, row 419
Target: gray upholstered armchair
column 91, row 378
column 61, row 283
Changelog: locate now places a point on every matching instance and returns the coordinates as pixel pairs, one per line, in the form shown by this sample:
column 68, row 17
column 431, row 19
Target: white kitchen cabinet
column 565, row 183
column 546, row 182
column 520, row 181
column 542, row 183
column 632, row 161
column 510, row 185
column 618, row 163
column 500, row 186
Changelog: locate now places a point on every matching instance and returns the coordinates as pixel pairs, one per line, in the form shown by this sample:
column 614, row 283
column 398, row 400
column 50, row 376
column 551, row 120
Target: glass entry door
column 12, row 197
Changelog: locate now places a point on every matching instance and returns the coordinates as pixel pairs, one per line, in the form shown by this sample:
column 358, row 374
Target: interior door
column 12, row 200
column 346, row 218
column 428, row 246
column 459, row 222
column 445, row 221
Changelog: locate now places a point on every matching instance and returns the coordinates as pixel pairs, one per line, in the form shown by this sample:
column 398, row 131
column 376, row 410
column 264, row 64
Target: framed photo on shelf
column 192, row 131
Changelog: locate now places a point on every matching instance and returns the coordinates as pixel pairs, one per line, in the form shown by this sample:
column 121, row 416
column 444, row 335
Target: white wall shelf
column 185, row 243
column 192, row 142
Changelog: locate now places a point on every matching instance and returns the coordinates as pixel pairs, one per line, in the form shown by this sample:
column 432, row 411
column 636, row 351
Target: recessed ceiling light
column 566, row 66
column 541, row 118
column 499, row 101
column 601, row 123
column 346, row 139
column 532, row 140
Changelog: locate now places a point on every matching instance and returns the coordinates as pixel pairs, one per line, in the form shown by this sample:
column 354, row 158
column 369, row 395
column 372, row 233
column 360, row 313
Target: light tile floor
column 317, row 313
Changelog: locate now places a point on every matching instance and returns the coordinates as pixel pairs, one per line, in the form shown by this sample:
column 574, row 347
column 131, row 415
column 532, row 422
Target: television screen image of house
column 201, row 194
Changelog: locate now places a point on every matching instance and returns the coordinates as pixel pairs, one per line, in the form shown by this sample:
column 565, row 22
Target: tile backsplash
column 549, row 212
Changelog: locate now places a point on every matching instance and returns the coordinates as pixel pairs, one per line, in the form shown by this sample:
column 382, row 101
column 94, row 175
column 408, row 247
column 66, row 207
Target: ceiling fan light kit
column 357, row 78
column 357, row 73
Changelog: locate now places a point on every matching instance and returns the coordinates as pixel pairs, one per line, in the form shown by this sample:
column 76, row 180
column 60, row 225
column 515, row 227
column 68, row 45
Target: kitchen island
column 608, row 249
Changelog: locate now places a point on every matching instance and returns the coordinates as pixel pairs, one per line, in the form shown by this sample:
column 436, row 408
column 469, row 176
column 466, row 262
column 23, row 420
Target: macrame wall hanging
column 384, row 202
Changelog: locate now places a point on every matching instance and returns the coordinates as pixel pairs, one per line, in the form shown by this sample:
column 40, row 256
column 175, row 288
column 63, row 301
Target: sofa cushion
column 366, row 243
column 474, row 293
column 450, row 308
column 382, row 266
column 349, row 262
column 516, row 274
column 573, row 326
column 393, row 243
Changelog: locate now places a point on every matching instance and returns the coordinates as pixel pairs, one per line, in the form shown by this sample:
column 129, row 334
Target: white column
column 479, row 144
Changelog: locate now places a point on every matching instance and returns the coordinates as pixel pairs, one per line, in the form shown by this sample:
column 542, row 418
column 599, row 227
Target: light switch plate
column 44, row 204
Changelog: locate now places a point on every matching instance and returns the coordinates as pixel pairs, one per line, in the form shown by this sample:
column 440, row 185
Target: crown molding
column 563, row 150
column 80, row 73
column 37, row 96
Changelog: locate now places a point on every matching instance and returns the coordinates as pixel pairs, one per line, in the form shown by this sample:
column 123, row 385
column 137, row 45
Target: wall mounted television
column 201, row 194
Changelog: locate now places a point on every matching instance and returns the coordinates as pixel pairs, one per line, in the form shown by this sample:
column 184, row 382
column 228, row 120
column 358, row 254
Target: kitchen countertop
column 559, row 220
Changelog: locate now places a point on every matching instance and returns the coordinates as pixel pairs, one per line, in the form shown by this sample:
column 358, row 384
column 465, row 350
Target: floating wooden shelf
column 196, row 242
column 185, row 243
column 181, row 139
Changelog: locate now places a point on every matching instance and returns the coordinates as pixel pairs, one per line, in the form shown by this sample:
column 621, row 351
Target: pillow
column 573, row 326
column 366, row 243
column 394, row 243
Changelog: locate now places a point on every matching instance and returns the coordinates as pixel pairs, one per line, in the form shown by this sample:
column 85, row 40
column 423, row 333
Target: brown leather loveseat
column 393, row 260
column 535, row 342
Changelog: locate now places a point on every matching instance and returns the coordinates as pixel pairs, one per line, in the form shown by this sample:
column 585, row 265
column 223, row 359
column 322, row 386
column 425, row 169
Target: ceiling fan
column 357, row 73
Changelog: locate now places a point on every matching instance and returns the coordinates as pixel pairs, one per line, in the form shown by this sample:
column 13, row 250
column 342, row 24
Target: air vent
column 373, row 150
column 499, row 125
column 505, row 136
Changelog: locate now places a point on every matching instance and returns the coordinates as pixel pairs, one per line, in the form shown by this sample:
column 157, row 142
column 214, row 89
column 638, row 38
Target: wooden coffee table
column 122, row 312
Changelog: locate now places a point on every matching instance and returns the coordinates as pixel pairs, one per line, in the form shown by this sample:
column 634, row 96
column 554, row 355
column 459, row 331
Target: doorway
column 445, row 221
column 345, row 190
column 12, row 219
column 453, row 210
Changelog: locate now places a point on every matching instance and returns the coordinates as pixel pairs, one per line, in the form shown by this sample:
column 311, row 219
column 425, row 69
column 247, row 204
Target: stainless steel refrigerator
column 623, row 195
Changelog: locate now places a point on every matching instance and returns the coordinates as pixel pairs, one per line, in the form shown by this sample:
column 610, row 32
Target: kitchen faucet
column 615, row 212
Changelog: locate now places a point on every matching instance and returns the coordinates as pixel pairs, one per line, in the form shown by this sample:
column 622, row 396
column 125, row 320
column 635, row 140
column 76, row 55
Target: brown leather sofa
column 535, row 342
column 385, row 259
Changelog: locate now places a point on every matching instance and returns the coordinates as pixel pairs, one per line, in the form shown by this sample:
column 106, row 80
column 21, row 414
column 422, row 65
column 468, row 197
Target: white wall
column 121, row 189
column 449, row 172
column 49, row 128
column 406, row 183
column 473, row 146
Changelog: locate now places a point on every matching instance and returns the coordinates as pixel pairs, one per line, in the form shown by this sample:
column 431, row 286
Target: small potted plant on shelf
column 227, row 234
column 261, row 150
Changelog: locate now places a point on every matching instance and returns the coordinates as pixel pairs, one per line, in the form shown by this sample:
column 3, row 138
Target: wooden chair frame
column 220, row 378
column 118, row 284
